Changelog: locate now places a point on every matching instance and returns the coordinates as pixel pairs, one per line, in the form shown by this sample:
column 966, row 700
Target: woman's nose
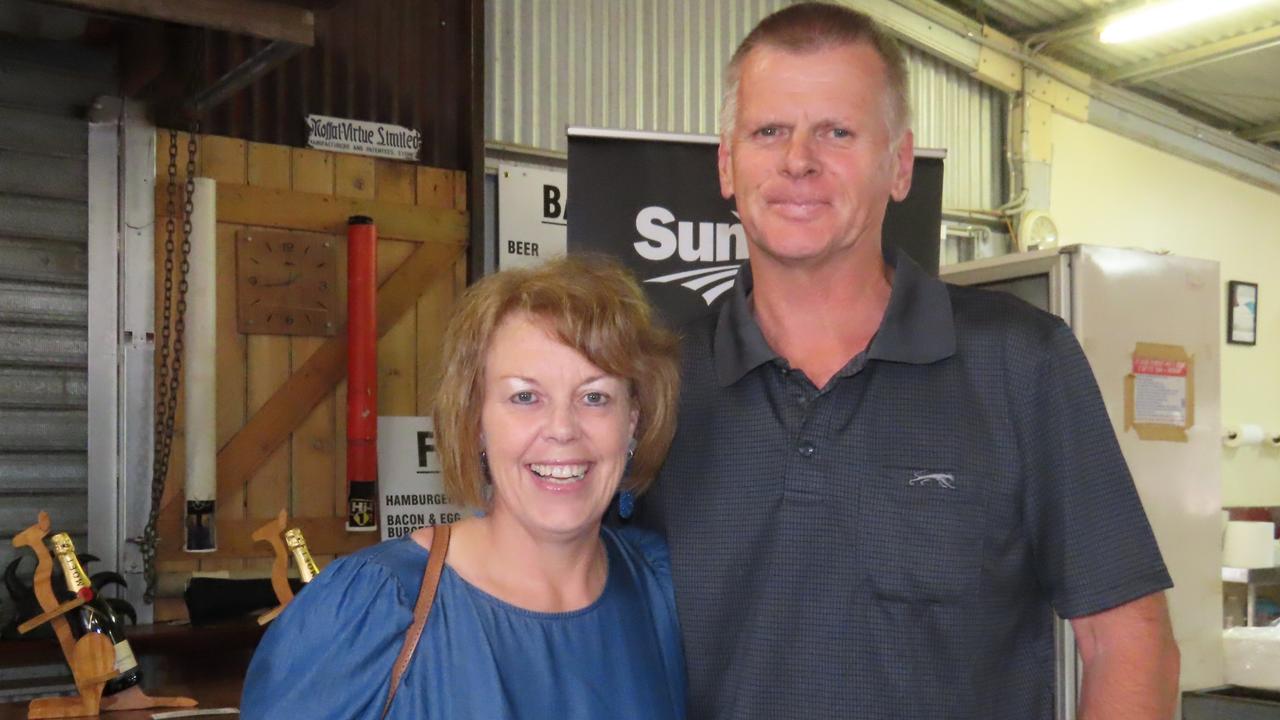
column 562, row 424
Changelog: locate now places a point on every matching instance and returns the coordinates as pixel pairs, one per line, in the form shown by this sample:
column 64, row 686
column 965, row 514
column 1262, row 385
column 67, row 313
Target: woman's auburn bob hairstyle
column 589, row 303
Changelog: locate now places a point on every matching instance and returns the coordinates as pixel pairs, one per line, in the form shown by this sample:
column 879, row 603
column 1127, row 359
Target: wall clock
column 286, row 283
column 1037, row 231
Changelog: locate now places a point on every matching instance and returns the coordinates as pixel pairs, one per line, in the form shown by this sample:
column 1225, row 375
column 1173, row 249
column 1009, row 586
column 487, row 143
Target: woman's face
column 555, row 430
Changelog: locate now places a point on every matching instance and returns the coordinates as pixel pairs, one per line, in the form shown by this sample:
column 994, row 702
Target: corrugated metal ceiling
column 1245, row 87
column 1221, row 71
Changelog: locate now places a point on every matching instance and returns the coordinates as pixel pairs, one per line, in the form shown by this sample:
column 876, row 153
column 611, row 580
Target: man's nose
column 800, row 159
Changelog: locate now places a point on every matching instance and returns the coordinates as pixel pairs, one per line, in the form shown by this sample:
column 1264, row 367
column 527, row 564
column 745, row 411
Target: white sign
column 532, row 224
column 363, row 138
column 410, row 487
column 1160, row 391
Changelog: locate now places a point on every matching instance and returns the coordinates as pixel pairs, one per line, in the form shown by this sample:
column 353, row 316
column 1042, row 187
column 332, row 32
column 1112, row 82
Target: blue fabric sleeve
column 330, row 653
column 652, row 548
column 650, row 545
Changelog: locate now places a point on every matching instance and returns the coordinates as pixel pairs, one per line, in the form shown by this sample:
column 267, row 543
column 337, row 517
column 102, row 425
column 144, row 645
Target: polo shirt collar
column 918, row 327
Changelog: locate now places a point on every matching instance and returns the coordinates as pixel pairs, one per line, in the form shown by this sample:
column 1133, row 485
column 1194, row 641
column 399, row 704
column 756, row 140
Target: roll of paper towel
column 1249, row 545
column 1239, row 435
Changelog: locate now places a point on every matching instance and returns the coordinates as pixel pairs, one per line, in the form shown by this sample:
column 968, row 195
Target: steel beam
column 243, row 75
column 1195, row 108
column 1159, row 126
column 1269, row 132
column 106, row 536
column 257, row 18
column 946, row 34
column 135, row 341
column 1079, row 26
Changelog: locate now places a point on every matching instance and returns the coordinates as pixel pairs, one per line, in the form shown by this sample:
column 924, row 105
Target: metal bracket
column 241, row 76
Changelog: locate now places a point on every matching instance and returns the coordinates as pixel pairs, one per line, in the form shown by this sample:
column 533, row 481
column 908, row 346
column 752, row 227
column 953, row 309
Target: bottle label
column 124, row 657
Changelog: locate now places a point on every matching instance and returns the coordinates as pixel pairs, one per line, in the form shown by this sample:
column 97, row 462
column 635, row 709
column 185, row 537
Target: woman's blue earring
column 627, row 499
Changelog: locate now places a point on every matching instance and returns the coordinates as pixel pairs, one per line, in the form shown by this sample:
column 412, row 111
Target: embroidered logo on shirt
column 924, row 478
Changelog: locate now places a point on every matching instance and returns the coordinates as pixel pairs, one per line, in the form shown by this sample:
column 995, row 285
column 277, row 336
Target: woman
column 558, row 395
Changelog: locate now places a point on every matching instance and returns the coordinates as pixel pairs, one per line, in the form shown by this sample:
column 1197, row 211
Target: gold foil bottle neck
column 65, row 550
column 62, row 544
column 307, row 568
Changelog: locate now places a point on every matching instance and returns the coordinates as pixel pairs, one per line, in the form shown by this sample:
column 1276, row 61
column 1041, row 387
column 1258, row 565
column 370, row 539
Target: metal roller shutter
column 44, row 92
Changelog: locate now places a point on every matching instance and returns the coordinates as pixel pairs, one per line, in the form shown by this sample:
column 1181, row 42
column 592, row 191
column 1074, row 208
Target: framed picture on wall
column 1242, row 312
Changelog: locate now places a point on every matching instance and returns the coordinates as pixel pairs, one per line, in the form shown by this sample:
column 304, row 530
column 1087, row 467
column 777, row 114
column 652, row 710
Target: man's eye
column 767, row 132
column 595, row 398
column 524, row 397
column 841, row 133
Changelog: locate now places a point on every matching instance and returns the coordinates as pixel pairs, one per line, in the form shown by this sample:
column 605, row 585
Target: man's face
column 812, row 161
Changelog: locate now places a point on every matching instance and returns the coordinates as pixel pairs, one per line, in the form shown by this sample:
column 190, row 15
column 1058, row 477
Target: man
column 883, row 486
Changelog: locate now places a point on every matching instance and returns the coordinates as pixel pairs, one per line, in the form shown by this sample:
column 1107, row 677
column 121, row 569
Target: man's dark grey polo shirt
column 894, row 545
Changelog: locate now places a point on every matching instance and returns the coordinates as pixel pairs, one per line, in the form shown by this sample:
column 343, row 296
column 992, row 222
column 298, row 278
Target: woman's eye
column 595, row 398
column 524, row 397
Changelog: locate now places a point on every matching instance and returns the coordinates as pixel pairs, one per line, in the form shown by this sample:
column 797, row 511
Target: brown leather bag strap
column 426, row 597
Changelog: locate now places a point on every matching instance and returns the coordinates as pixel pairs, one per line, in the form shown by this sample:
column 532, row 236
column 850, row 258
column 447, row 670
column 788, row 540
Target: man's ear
column 903, row 165
column 724, row 160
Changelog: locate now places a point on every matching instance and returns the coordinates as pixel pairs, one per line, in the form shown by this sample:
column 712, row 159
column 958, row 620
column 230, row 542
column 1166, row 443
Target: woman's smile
column 560, row 475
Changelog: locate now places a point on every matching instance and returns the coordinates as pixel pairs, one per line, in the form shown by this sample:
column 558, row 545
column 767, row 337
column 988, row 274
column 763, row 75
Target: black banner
column 656, row 205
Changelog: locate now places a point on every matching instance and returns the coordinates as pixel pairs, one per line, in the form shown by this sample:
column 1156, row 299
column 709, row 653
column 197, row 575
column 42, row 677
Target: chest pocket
column 920, row 533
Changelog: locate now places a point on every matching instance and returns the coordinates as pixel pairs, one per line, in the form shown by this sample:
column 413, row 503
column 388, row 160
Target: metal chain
column 172, row 327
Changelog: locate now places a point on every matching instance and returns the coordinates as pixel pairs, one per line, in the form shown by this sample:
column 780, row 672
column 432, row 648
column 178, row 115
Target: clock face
column 286, row 283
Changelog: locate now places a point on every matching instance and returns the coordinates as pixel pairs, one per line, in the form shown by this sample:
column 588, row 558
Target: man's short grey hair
column 812, row 26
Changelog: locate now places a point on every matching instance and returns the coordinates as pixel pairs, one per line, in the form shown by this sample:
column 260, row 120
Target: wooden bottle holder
column 91, row 658
column 271, row 533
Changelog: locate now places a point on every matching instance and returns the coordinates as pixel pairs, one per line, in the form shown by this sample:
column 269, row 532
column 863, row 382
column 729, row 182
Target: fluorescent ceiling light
column 1166, row 16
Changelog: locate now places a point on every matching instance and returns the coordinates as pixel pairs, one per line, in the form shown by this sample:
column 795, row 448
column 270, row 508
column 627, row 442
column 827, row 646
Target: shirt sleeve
column 660, row 592
column 1091, row 540
column 330, row 653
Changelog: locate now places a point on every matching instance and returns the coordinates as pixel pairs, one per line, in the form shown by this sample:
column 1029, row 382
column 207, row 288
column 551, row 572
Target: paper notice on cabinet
column 1160, row 392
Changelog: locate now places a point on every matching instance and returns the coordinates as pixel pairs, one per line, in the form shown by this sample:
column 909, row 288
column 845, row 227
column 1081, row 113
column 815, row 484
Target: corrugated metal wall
column 43, row 287
column 656, row 65
column 640, row 65
column 956, row 112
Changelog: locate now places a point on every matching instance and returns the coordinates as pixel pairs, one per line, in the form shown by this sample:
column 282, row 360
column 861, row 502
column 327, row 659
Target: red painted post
column 362, row 374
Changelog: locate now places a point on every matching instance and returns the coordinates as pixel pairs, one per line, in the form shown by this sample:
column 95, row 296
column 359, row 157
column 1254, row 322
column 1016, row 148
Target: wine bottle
column 301, row 555
column 95, row 616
